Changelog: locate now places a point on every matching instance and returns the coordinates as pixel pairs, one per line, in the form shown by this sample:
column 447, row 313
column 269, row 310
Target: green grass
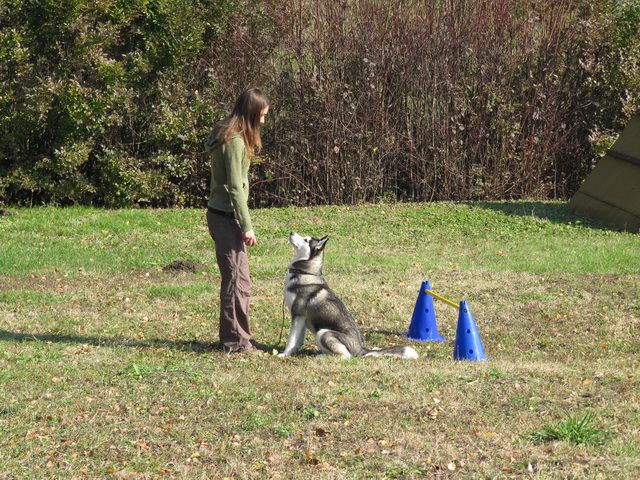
column 573, row 429
column 109, row 366
column 491, row 236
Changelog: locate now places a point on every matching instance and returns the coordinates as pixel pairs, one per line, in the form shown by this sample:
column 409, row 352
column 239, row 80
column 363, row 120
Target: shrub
column 108, row 102
column 457, row 100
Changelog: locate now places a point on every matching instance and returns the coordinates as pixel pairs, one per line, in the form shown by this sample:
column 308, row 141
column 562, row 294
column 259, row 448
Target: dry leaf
column 310, row 457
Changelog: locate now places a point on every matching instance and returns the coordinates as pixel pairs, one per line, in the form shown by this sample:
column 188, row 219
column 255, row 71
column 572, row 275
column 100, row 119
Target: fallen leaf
column 310, row 457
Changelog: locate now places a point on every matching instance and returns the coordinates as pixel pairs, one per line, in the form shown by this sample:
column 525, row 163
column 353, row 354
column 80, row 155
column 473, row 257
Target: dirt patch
column 184, row 266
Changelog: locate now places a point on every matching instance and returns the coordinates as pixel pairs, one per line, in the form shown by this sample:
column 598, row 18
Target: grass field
column 109, row 367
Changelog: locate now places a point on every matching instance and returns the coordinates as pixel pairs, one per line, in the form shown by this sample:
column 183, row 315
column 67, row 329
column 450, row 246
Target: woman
column 231, row 145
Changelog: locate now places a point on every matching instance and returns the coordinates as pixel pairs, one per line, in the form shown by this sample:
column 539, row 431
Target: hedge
column 108, row 102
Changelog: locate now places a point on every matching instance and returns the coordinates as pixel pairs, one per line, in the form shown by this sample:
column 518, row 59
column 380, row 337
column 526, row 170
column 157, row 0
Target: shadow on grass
column 556, row 212
column 373, row 333
column 181, row 345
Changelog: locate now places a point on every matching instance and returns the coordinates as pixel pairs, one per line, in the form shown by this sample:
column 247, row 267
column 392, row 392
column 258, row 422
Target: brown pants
column 235, row 284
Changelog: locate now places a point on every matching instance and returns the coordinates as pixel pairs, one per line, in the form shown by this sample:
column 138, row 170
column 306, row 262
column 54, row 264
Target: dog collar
column 302, row 272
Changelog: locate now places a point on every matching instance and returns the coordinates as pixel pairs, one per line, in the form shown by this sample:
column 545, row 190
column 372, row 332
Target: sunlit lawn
column 109, row 365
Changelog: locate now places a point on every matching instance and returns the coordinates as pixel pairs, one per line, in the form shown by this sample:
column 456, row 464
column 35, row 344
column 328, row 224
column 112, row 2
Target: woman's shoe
column 245, row 349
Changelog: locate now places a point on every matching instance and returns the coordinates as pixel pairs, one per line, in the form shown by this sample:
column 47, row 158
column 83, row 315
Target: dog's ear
column 322, row 242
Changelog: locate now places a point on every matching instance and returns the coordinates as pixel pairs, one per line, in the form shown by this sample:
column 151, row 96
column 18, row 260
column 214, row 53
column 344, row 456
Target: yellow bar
column 435, row 295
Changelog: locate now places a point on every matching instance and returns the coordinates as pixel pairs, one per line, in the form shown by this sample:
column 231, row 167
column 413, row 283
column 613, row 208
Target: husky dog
column 314, row 306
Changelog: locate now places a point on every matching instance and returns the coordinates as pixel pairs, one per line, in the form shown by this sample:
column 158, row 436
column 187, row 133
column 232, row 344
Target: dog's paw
column 283, row 354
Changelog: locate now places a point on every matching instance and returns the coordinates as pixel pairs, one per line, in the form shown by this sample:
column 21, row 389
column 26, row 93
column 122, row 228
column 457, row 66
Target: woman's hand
column 249, row 238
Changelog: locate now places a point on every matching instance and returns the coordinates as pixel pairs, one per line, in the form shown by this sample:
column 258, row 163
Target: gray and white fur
column 315, row 307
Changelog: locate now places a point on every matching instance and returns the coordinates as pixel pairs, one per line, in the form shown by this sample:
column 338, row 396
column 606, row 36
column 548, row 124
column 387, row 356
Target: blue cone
column 423, row 327
column 468, row 345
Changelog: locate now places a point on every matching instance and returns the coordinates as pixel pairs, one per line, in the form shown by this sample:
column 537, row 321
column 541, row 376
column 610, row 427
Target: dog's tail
column 398, row 352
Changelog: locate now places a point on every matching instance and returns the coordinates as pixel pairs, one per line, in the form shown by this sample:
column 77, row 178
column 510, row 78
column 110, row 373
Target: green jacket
column 229, row 177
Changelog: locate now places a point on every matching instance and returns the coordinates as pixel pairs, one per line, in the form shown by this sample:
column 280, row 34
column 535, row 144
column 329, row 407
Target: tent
column 611, row 192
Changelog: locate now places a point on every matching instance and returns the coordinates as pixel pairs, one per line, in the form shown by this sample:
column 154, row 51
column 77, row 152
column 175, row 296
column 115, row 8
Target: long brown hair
column 245, row 119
